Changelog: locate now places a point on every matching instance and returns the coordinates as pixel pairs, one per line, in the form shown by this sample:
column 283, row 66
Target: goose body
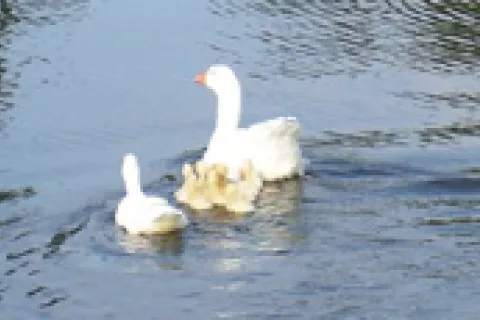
column 139, row 213
column 272, row 145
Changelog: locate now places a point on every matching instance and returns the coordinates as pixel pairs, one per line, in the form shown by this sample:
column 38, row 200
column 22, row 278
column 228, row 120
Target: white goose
column 271, row 145
column 142, row 214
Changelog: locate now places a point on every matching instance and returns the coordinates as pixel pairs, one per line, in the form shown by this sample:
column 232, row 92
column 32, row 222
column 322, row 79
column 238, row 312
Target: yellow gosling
column 196, row 188
column 202, row 169
column 230, row 194
column 250, row 180
column 217, row 183
column 210, row 186
column 189, row 178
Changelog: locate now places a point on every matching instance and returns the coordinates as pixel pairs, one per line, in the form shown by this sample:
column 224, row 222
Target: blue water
column 384, row 226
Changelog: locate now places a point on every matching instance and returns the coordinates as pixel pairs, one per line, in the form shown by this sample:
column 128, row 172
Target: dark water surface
column 385, row 226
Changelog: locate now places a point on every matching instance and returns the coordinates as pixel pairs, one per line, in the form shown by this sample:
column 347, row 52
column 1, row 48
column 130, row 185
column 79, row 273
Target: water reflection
column 310, row 39
column 10, row 194
column 6, row 18
column 40, row 13
column 58, row 240
column 8, row 84
column 171, row 244
column 361, row 139
column 279, row 222
column 276, row 228
column 464, row 100
column 448, row 133
column 22, row 251
column 451, row 220
column 446, row 39
column 16, row 18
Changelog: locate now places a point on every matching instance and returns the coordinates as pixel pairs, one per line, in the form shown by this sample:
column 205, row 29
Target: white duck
column 142, row 214
column 271, row 145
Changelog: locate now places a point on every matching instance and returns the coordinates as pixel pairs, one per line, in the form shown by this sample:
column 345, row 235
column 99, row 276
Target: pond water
column 386, row 224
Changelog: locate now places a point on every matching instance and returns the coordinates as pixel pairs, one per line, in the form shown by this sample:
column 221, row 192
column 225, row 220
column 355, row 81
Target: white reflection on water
column 167, row 244
column 274, row 228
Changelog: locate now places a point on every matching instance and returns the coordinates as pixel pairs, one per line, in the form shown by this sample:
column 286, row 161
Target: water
column 385, row 225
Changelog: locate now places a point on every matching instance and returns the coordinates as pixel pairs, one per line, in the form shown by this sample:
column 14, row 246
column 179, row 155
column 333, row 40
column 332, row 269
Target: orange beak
column 201, row 78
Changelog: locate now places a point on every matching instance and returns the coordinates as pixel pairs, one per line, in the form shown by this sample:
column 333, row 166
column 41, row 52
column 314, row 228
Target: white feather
column 271, row 145
column 139, row 213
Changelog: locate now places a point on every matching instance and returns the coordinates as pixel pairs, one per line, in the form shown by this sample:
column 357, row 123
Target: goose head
column 219, row 78
column 223, row 82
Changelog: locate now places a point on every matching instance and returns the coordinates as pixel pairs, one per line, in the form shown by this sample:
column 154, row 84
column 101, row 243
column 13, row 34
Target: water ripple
column 313, row 39
column 23, row 18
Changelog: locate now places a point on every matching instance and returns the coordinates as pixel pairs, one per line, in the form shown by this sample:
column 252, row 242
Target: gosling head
column 202, row 169
column 187, row 171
